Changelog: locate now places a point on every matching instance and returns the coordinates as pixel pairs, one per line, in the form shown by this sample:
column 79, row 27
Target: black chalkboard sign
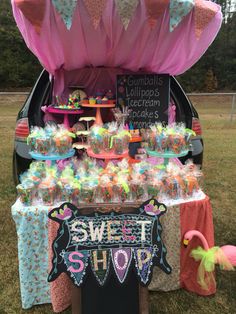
column 147, row 97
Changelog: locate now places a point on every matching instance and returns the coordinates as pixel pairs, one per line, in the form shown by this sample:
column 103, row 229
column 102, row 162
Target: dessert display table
column 66, row 114
column 35, row 239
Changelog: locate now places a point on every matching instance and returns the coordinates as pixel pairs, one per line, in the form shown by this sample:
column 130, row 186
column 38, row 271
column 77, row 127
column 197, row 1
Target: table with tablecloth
column 35, row 235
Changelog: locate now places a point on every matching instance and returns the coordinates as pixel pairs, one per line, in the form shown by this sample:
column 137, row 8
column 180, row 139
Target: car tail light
column 22, row 129
column 196, row 126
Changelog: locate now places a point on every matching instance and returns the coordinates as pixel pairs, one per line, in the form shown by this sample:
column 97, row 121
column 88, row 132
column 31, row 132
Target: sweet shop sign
column 108, row 243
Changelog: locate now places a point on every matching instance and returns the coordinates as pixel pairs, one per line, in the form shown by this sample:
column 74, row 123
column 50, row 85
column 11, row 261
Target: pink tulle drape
column 140, row 47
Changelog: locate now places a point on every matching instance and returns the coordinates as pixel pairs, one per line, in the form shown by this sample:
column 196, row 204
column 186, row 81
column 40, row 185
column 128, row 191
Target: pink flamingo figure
column 225, row 256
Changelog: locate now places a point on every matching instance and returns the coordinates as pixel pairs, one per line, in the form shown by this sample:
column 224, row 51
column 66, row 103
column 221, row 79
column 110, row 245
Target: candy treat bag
column 75, row 191
column 43, row 145
column 194, row 175
column 48, row 191
column 191, row 184
column 138, row 189
column 105, row 191
column 95, row 139
column 26, row 193
column 120, row 142
column 37, row 171
column 72, row 191
column 151, row 139
column 153, row 188
column 106, row 141
column 122, row 191
column 88, row 190
column 162, row 142
column 111, row 170
column 176, row 143
column 62, row 191
column 188, row 136
column 107, row 136
column 66, row 177
column 63, row 141
column 31, row 139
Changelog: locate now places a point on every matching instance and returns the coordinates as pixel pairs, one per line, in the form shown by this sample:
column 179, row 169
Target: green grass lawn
column 220, row 182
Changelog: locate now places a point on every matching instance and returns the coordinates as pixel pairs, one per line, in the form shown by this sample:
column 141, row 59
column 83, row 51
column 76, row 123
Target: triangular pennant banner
column 100, row 264
column 34, row 11
column 76, row 263
column 95, row 9
column 66, row 10
column 143, row 262
column 205, row 11
column 155, row 8
column 121, row 259
column 126, row 10
column 178, row 10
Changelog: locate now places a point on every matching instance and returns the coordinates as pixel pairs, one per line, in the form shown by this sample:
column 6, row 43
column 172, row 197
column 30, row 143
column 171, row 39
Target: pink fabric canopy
column 110, row 45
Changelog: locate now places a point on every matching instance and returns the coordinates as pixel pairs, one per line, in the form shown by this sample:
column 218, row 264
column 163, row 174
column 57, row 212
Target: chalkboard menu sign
column 146, row 96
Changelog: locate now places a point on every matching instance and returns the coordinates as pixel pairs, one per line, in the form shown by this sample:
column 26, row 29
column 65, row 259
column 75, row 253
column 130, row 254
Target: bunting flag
column 66, row 10
column 143, row 260
column 76, row 263
column 126, row 10
column 178, row 10
column 205, row 11
column 34, row 11
column 95, row 9
column 100, row 264
column 121, row 259
column 155, row 9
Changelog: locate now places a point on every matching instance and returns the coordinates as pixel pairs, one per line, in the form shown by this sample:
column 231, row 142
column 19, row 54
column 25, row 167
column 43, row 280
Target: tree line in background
column 216, row 70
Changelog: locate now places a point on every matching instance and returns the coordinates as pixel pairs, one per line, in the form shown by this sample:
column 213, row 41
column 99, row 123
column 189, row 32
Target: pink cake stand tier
column 107, row 156
column 66, row 113
column 98, row 110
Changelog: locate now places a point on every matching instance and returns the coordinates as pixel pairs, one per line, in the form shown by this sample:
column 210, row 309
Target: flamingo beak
column 185, row 242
